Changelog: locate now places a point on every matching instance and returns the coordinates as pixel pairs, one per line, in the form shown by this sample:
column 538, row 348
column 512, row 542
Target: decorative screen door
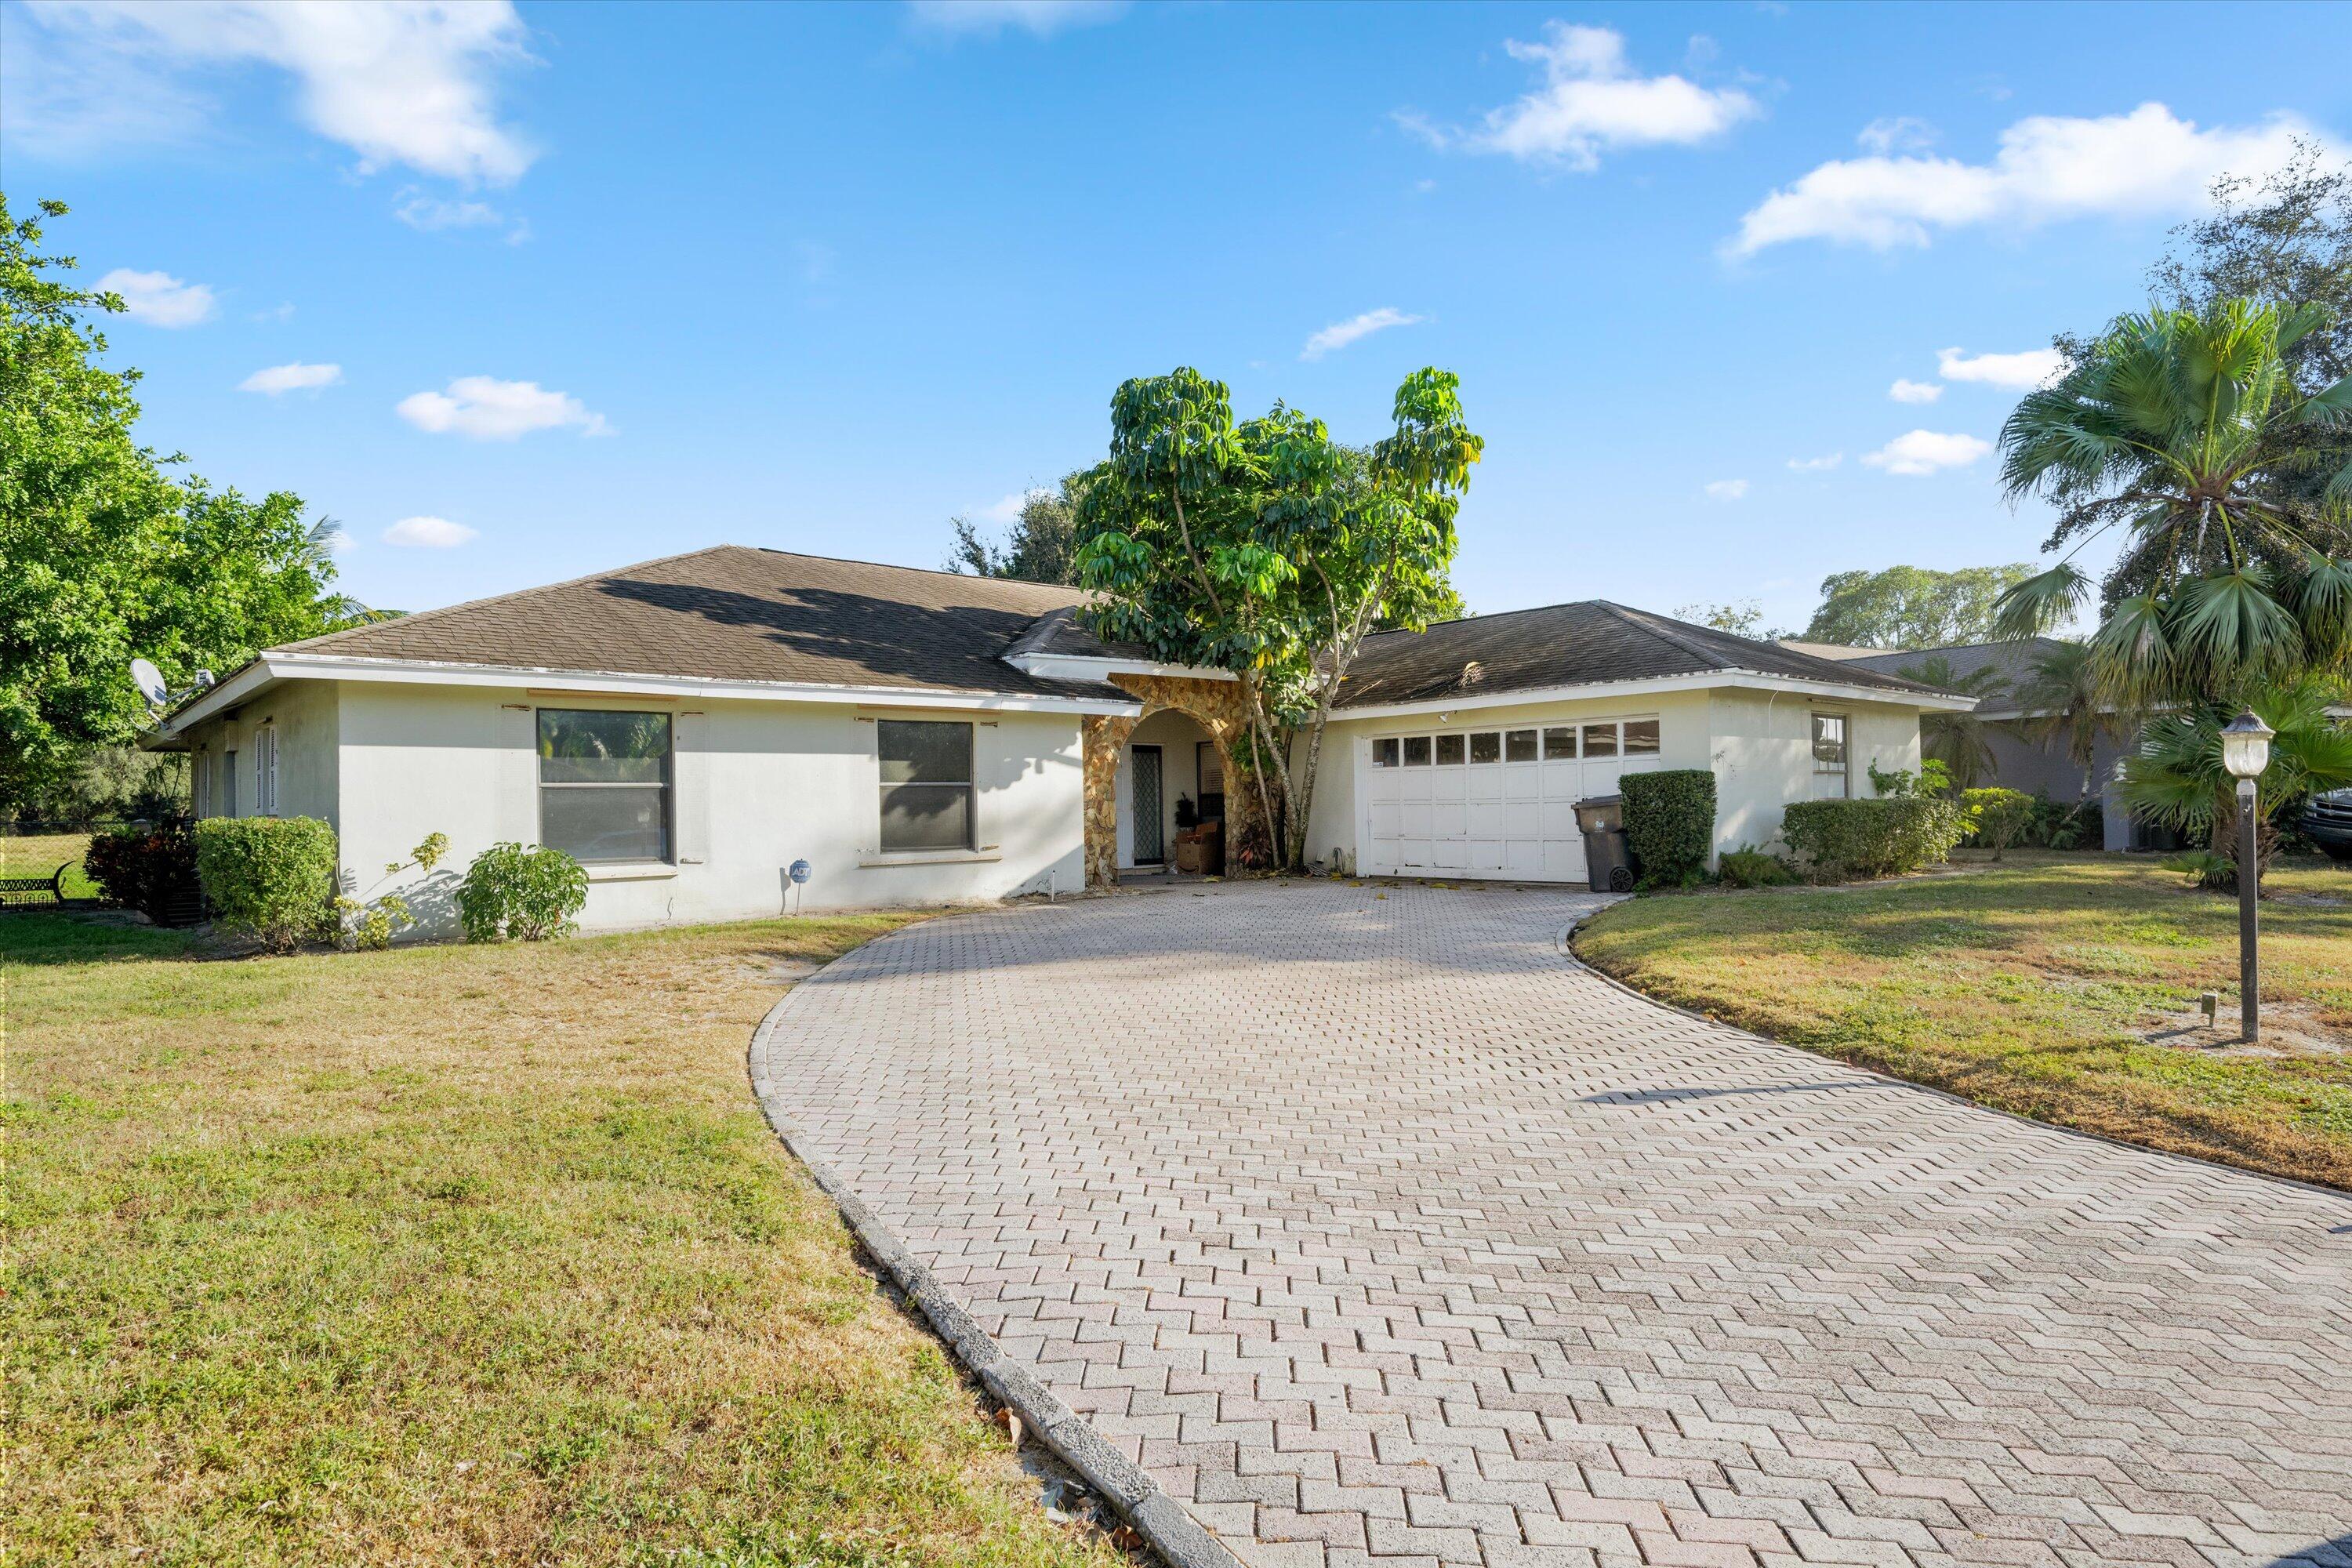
column 1150, row 831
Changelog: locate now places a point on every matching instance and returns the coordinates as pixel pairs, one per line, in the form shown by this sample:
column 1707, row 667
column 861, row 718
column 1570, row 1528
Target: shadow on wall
column 923, row 644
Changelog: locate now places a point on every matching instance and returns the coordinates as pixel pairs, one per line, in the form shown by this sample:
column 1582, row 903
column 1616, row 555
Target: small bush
column 1669, row 825
column 1748, row 866
column 1996, row 818
column 151, row 869
column 1846, row 839
column 270, row 878
column 514, row 894
column 1932, row 778
column 2065, row 825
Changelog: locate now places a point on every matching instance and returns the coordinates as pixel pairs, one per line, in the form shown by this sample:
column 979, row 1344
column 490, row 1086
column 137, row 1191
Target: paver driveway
column 1378, row 1232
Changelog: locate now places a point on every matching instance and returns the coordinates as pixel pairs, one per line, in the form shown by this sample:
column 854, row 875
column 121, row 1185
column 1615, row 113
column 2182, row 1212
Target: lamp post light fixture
column 2245, row 753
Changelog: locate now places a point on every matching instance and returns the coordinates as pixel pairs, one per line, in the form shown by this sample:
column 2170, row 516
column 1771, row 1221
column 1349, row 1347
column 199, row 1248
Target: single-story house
column 690, row 727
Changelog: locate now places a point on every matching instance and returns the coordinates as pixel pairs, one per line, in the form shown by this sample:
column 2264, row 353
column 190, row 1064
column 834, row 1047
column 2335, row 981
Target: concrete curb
column 1179, row 1539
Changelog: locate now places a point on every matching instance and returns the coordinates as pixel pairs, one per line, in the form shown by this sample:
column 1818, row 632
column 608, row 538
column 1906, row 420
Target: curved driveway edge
column 1358, row 1227
column 1174, row 1533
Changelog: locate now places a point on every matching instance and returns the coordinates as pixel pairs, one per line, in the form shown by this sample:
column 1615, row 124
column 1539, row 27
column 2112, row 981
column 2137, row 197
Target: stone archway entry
column 1216, row 707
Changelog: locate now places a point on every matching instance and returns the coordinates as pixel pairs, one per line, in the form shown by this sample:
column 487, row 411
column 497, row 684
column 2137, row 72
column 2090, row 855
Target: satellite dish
column 149, row 680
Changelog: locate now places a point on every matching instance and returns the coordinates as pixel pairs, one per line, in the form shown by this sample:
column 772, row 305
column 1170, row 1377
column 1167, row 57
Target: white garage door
column 1492, row 802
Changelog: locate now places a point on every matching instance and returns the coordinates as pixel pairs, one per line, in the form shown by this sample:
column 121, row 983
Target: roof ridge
column 1636, row 616
column 1475, row 620
column 927, row 571
column 1636, row 619
column 416, row 616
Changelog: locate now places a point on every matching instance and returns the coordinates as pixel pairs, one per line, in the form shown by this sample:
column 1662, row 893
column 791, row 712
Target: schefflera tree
column 1268, row 548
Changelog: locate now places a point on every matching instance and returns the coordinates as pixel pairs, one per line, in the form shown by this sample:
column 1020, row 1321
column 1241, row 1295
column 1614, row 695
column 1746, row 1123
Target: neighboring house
column 2020, row 762
column 690, row 727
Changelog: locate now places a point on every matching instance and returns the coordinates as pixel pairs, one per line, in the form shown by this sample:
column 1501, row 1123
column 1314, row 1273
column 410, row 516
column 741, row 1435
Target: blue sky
column 602, row 283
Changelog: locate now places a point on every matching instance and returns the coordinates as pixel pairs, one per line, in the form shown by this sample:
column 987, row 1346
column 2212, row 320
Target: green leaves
column 2040, row 604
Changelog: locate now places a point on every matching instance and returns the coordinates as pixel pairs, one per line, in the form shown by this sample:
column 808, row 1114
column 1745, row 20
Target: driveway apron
column 1378, row 1231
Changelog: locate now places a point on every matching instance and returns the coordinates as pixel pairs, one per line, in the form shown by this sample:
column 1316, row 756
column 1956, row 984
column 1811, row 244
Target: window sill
column 630, row 871
column 932, row 858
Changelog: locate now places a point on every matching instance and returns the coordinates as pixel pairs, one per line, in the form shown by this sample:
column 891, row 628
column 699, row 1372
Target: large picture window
column 927, row 794
column 603, row 783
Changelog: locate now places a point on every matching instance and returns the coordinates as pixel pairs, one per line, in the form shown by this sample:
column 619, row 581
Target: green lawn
column 2032, row 987
column 39, row 854
column 453, row 1255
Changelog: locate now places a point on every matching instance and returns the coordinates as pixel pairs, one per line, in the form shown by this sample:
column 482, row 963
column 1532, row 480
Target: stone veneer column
column 1101, row 740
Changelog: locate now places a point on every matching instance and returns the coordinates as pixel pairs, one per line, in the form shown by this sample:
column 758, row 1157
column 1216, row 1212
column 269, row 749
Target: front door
column 1146, row 802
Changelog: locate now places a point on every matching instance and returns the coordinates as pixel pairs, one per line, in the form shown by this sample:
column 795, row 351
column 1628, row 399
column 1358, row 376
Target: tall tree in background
column 2184, row 431
column 1041, row 546
column 102, row 556
column 1269, row 550
column 1911, row 606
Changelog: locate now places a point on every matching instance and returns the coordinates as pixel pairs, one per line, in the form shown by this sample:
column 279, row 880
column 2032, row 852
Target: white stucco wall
column 1758, row 744
column 757, row 786
column 304, row 716
column 1762, row 753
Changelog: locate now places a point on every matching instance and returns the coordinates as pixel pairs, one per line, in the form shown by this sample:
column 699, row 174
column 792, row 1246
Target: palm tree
column 2063, row 707
column 2176, row 776
column 2184, row 428
column 1959, row 740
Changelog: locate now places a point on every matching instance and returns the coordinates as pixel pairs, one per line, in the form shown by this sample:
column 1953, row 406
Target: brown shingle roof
column 731, row 612
column 1570, row 644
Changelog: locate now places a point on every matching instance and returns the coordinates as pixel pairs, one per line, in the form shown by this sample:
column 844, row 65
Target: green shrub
column 2065, row 825
column 1669, row 825
column 1996, row 818
column 511, row 893
column 1845, row 839
column 151, row 869
column 1932, row 778
column 1748, row 866
column 270, row 877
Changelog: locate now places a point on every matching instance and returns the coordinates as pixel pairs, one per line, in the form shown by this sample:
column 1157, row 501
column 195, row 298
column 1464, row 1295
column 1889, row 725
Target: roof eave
column 1694, row 681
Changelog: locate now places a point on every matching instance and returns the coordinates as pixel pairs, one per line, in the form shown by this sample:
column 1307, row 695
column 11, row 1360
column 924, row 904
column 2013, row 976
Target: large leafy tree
column 1911, row 606
column 1042, row 545
column 103, row 556
column 2183, row 430
column 1268, row 549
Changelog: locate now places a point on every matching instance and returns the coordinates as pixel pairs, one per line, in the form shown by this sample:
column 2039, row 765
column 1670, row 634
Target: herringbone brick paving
column 1380, row 1234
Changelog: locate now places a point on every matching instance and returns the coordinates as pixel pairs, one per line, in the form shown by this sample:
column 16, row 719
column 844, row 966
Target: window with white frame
column 265, row 770
column 605, row 783
column 1831, row 781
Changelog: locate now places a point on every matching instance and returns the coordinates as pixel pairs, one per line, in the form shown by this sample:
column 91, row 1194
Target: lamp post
column 2246, row 751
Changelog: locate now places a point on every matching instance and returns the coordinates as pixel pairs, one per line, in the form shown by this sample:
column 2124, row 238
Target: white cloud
column 1925, row 451
column 1007, row 510
column 488, row 409
column 1725, row 490
column 1914, row 391
column 429, row 533
column 2019, row 372
column 1816, row 464
column 159, row 298
column 397, row 83
column 1591, row 102
column 295, row 377
column 2048, row 168
column 1042, row 18
column 1339, row 334
column 1896, row 133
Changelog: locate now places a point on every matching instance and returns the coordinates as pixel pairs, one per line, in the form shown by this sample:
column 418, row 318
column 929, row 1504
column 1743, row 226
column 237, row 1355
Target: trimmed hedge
column 151, row 869
column 1996, row 818
column 271, row 877
column 1669, row 825
column 1847, row 838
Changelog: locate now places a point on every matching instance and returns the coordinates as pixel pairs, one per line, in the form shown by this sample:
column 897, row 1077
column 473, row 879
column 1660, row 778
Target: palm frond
column 2040, row 604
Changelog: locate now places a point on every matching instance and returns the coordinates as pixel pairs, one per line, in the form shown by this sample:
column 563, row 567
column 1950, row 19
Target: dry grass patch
column 453, row 1255
column 2035, row 987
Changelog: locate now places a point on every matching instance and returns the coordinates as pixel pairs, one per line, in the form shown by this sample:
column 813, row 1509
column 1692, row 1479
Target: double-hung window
column 1831, row 778
column 605, row 783
column 926, row 785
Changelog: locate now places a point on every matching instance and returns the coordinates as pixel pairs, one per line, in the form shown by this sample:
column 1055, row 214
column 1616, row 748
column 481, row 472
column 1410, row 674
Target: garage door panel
column 1523, row 819
column 1485, row 803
